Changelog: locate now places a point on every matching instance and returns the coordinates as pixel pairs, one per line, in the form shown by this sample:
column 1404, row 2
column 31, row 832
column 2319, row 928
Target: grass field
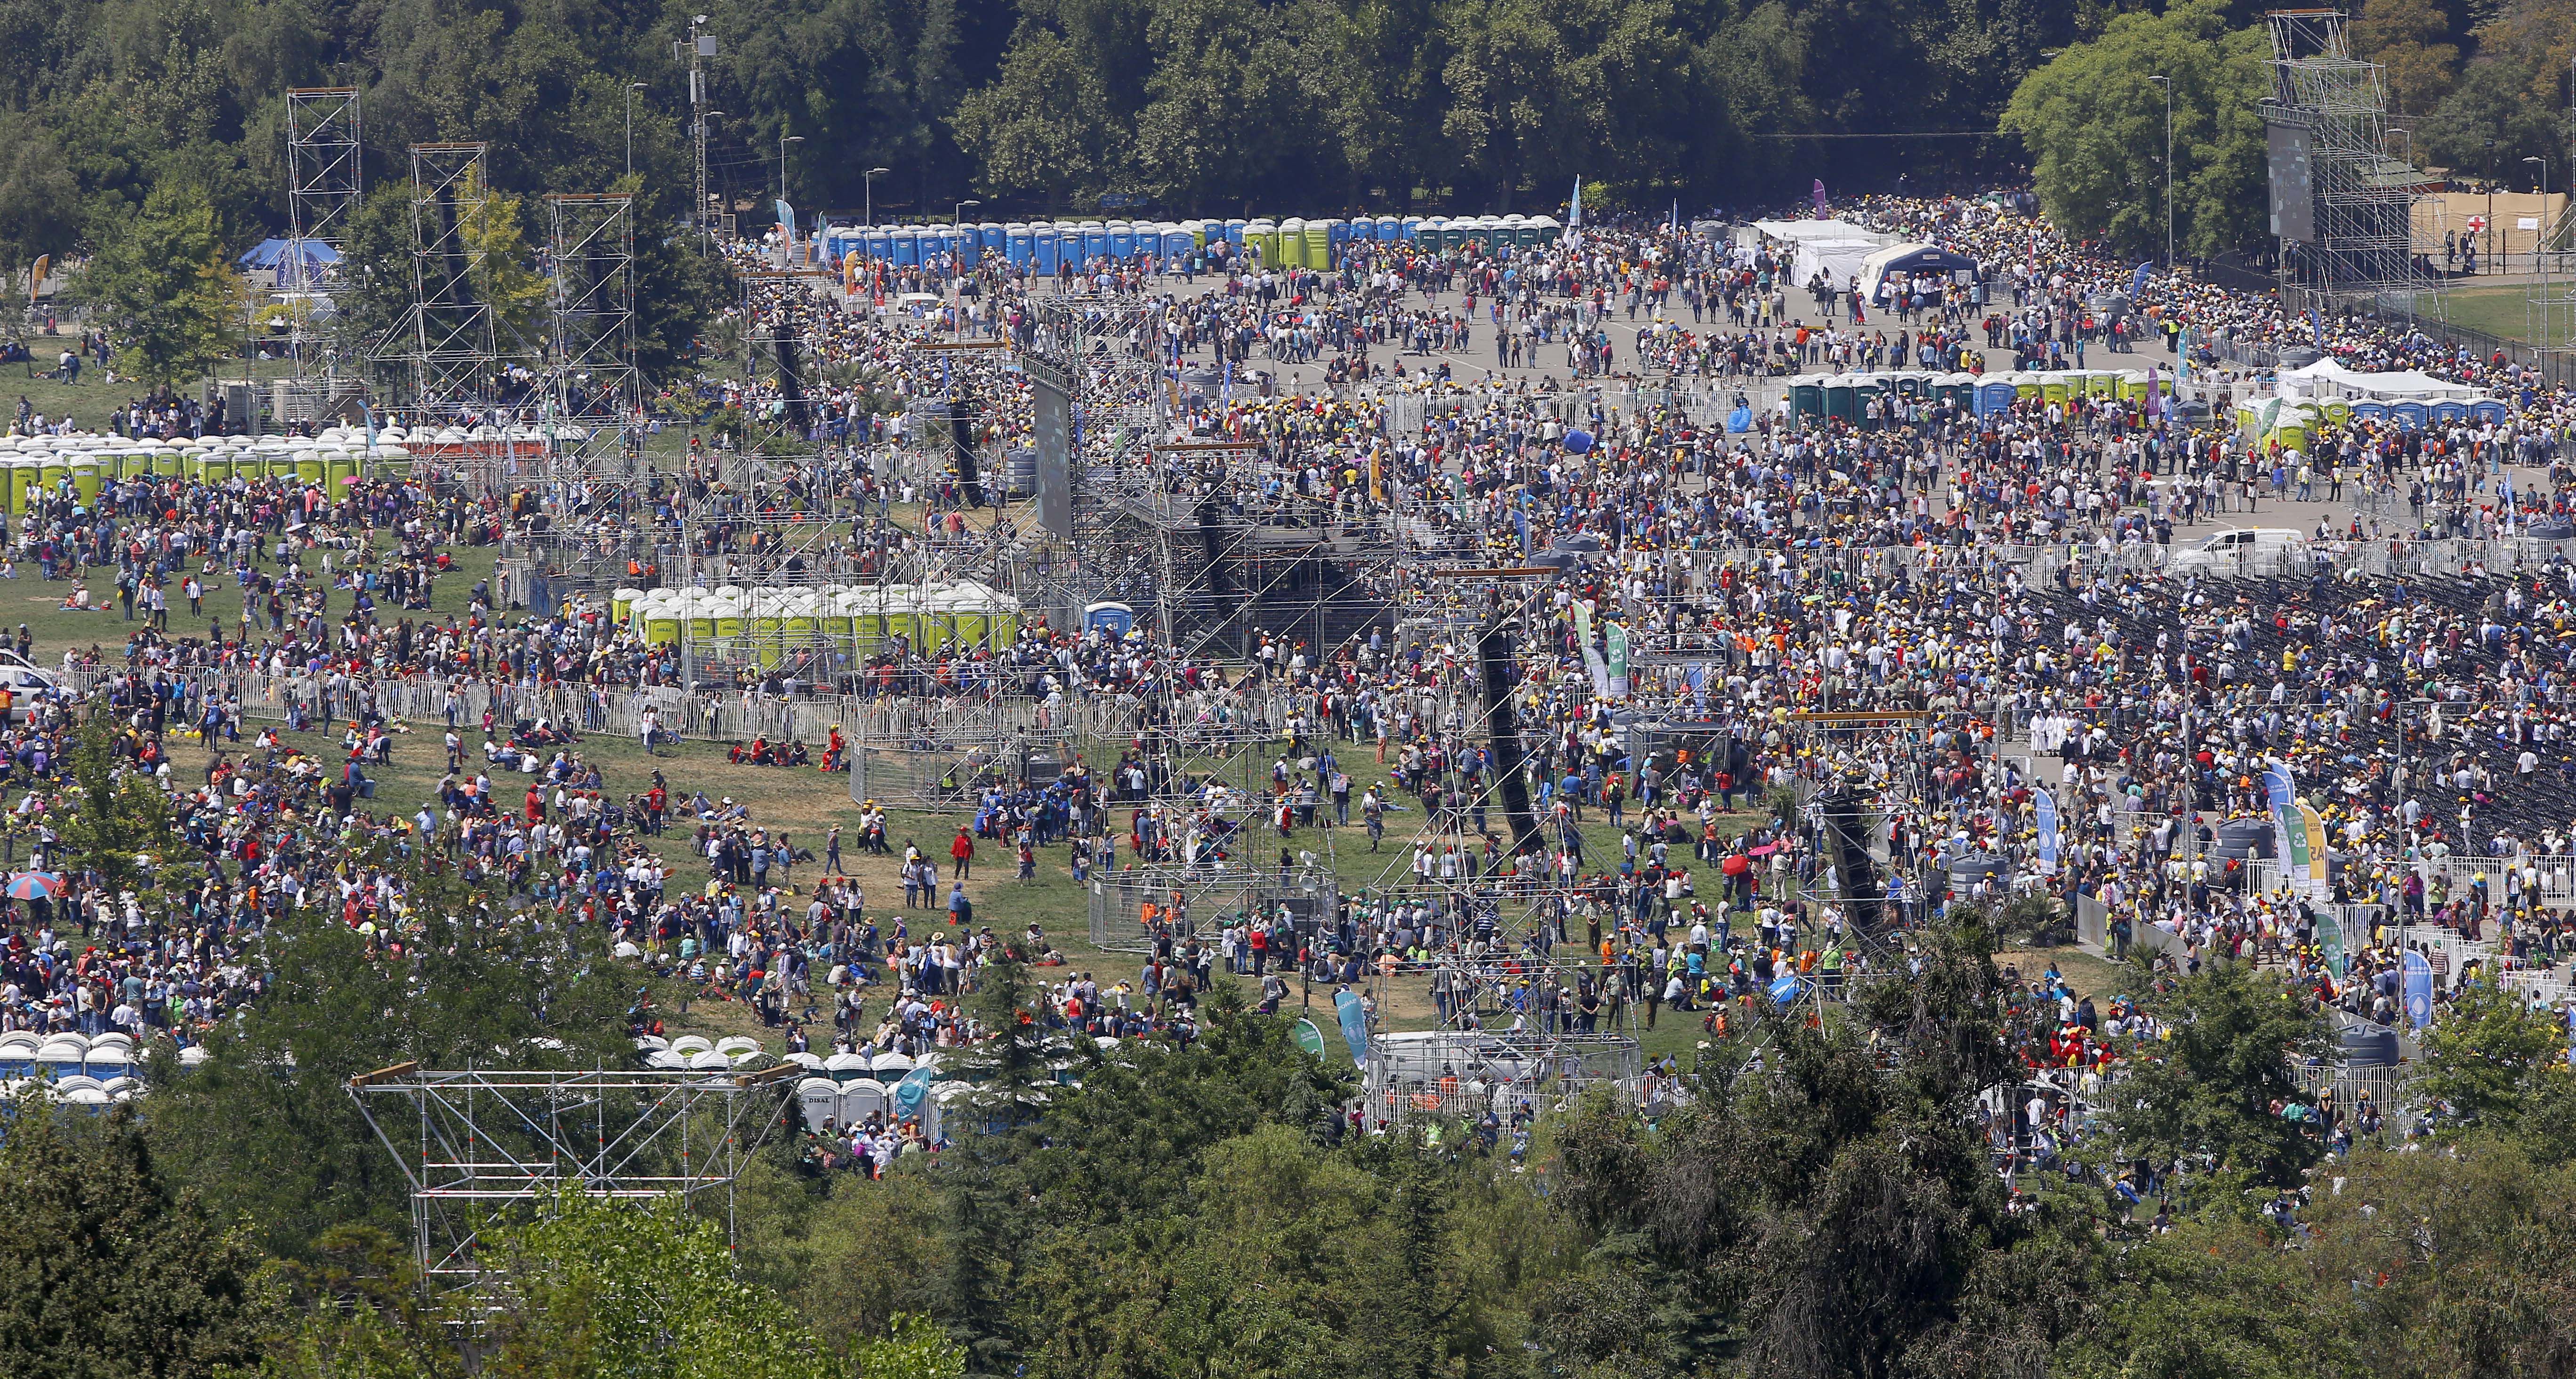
column 2502, row 312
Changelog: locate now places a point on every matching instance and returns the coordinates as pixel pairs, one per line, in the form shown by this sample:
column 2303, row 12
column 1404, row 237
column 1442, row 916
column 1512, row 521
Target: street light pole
column 868, row 187
column 631, row 89
column 2167, row 84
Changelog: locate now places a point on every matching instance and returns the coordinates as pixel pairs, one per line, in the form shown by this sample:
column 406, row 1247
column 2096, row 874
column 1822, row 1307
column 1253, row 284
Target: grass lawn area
column 804, row 803
column 2500, row 311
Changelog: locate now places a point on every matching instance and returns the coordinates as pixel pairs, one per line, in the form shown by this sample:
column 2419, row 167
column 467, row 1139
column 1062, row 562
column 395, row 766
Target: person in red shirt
column 962, row 849
column 536, row 804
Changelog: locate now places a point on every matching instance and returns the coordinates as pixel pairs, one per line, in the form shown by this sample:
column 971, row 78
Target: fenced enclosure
column 1199, row 900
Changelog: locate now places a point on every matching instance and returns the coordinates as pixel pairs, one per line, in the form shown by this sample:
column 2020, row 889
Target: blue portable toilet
column 1337, row 234
column 2408, row 415
column 1994, row 395
column 997, row 236
column 1016, row 244
column 2448, row 412
column 880, row 241
column 1388, row 228
column 1095, row 240
column 1179, row 241
column 906, row 243
column 2486, row 409
column 1109, row 619
column 1042, row 249
column 1411, row 227
column 2370, row 411
column 1122, row 240
column 1234, row 231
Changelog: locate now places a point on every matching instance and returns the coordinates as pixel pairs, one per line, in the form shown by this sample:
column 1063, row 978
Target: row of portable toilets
column 44, row 464
column 846, row 1088
column 2294, row 422
column 1847, row 396
column 79, row 1070
column 1046, row 246
column 931, row 617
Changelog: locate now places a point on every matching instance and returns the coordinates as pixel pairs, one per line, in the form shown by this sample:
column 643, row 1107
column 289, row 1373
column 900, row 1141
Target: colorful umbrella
column 34, row 885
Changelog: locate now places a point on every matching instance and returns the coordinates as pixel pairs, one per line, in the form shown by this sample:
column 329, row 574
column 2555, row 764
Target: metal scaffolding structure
column 593, row 381
column 446, row 356
column 477, row 1144
column 325, row 180
column 1133, row 909
column 2344, row 206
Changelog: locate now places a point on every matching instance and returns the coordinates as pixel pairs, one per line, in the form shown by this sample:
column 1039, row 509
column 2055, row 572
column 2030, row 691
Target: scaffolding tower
column 2343, row 207
column 446, row 354
column 478, row 1144
column 325, row 179
column 590, row 298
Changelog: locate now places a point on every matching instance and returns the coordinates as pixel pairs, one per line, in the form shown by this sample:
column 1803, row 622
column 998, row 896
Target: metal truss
column 1202, row 898
column 910, row 752
column 590, row 243
column 476, row 1145
column 325, row 179
column 447, row 350
column 2363, row 198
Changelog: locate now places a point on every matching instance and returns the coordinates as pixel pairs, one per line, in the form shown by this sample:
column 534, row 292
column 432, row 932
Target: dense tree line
column 1826, row 1205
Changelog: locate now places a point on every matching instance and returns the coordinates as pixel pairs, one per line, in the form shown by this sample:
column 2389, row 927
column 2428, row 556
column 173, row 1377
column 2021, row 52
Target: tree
column 2212, row 1301
column 113, row 1274
column 120, row 834
column 2409, row 39
column 2489, row 124
column 265, row 1127
column 2487, row 1055
column 167, row 296
column 2094, row 126
column 914, row 1347
column 599, row 1288
column 2217, row 1084
column 39, row 197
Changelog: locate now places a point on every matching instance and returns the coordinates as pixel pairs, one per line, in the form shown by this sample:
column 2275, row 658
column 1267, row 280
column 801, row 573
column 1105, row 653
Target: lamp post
column 784, row 139
column 868, row 187
column 631, row 89
column 2495, row 237
column 705, row 118
column 2167, row 84
column 2542, row 219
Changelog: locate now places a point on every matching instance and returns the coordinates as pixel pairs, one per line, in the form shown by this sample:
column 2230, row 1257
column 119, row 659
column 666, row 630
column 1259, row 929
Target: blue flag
column 2138, row 282
column 2418, row 986
column 1354, row 1018
column 2046, row 804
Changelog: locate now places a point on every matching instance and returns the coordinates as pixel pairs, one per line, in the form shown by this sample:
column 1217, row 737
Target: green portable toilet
column 1958, row 389
column 1319, row 244
column 1292, row 243
column 56, row 470
column 2025, row 385
column 86, row 471
column 1868, row 388
column 2102, row 384
column 343, row 471
column 1262, row 237
column 312, row 467
column 1513, row 228
column 1807, row 394
column 1841, row 398
column 1543, row 231
column 1429, row 236
column 23, row 475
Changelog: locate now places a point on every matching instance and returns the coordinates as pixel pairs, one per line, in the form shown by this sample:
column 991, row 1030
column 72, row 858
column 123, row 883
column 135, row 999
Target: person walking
column 961, row 851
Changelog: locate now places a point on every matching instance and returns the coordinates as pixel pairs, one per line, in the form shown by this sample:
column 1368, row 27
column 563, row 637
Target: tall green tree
column 2094, row 125
column 164, row 291
column 113, row 1272
column 2216, row 1083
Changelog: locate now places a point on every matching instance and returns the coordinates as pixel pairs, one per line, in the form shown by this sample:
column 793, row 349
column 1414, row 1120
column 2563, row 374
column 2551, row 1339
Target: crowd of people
column 1989, row 586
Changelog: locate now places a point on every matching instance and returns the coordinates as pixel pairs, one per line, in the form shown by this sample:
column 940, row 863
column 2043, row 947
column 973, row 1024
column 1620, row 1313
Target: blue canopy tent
column 1910, row 260
column 279, row 257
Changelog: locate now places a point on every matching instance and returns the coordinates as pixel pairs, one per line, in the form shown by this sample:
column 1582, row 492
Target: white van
column 2240, row 551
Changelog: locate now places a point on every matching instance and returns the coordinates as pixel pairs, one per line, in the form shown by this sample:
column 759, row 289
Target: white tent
column 2332, row 378
column 1802, row 231
column 1840, row 260
column 1907, row 260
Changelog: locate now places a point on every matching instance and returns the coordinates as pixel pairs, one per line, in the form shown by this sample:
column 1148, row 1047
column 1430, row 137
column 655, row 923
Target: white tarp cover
column 1840, row 260
column 1804, row 230
column 2332, row 378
